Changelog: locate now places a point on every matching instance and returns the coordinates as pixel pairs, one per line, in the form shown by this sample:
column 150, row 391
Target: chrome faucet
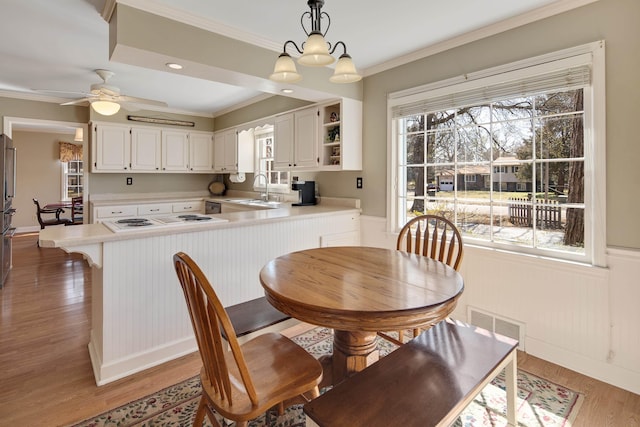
column 264, row 196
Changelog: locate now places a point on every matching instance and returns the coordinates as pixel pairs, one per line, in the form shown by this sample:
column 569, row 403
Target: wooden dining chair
column 77, row 209
column 44, row 221
column 240, row 382
column 432, row 236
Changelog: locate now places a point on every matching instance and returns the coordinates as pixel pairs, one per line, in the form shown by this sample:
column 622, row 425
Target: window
column 278, row 181
column 540, row 118
column 72, row 172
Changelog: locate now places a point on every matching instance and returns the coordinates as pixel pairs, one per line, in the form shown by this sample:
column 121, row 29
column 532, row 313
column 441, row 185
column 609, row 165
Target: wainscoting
column 583, row 318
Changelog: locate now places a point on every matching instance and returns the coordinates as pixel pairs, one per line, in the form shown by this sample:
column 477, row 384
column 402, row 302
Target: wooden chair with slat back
column 240, row 382
column 77, row 209
column 432, row 236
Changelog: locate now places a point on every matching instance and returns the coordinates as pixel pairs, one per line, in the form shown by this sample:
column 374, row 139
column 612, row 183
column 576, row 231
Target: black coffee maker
column 306, row 192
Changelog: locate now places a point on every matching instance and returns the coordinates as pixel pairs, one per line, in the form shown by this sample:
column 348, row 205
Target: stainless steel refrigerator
column 8, row 174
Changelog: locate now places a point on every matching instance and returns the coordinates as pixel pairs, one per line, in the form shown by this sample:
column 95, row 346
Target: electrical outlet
column 359, row 182
column 129, row 180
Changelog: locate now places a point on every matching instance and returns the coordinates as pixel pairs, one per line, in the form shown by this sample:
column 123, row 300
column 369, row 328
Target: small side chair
column 432, row 236
column 241, row 383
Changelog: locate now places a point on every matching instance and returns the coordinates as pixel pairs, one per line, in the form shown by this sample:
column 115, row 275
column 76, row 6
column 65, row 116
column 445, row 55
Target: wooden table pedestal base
column 352, row 352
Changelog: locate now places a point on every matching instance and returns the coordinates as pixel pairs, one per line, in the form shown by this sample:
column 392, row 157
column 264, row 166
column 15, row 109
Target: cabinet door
column 145, row 149
column 230, row 151
column 112, row 148
column 306, row 138
column 200, row 151
column 175, row 151
column 283, row 138
column 218, row 152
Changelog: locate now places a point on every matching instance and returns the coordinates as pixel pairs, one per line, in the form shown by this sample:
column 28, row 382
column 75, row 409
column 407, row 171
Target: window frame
column 591, row 54
column 265, row 132
column 65, row 180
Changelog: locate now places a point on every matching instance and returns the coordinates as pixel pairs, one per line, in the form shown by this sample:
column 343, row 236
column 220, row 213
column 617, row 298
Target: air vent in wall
column 500, row 325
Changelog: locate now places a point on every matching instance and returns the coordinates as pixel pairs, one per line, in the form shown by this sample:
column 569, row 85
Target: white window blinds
column 566, row 74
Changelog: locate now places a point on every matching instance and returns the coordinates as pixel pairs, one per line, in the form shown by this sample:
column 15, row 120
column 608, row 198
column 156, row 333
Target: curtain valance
column 70, row 151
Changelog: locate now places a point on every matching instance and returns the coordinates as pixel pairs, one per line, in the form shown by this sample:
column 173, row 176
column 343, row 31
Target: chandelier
column 316, row 51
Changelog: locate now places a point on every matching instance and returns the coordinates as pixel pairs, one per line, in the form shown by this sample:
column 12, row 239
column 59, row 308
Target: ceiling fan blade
column 134, row 100
column 77, row 101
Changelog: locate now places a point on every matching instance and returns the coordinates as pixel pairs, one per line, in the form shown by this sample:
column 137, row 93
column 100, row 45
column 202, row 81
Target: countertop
column 53, row 237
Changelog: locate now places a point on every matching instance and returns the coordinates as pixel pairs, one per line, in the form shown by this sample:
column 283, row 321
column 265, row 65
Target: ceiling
column 51, row 46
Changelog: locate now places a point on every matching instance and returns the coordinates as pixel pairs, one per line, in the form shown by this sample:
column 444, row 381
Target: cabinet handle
column 114, row 213
column 154, row 210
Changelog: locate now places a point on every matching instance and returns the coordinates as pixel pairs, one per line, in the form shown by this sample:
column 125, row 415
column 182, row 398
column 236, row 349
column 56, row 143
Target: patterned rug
column 540, row 403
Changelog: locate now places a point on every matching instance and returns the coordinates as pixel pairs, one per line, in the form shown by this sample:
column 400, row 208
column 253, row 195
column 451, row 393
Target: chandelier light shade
column 285, row 70
column 315, row 52
column 106, row 108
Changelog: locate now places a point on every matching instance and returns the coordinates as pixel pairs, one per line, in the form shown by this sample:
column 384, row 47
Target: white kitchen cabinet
column 102, row 213
column 193, row 206
column 341, row 135
column 146, row 149
column 231, row 153
column 154, row 209
column 200, row 151
column 111, row 148
column 123, row 148
column 175, row 150
column 150, row 209
column 296, row 140
column 224, row 151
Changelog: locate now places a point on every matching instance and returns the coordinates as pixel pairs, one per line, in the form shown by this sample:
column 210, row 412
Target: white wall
column 580, row 317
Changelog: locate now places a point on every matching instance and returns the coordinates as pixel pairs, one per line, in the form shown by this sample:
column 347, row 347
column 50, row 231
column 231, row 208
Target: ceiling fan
column 106, row 99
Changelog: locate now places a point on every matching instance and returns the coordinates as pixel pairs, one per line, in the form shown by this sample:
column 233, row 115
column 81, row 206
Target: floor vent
column 500, row 325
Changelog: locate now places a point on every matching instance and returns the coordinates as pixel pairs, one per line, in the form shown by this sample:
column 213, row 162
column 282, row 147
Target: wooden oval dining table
column 359, row 291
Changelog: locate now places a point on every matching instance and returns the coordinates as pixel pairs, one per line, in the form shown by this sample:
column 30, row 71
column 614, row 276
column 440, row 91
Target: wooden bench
column 255, row 316
column 426, row 382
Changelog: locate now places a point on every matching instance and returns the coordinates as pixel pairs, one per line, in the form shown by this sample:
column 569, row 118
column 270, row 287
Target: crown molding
column 489, row 30
column 217, row 27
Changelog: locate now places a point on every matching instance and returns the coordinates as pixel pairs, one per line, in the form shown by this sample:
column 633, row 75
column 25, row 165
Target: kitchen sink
column 256, row 202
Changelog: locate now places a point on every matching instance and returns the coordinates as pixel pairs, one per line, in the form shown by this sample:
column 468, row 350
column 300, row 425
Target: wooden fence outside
column 548, row 213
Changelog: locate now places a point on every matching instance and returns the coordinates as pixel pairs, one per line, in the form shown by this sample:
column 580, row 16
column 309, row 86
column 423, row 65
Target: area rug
column 541, row 403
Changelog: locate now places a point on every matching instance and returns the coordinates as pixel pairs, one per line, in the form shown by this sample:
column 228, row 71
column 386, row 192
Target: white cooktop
column 143, row 223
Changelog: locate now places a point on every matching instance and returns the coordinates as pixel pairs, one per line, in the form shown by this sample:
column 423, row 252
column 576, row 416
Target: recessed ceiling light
column 287, row 91
column 174, row 66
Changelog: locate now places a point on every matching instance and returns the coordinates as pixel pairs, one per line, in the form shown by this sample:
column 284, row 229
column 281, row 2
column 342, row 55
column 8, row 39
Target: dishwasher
column 212, row 208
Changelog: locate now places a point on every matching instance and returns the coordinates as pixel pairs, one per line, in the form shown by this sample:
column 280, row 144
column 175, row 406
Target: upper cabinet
column 341, row 135
column 232, row 153
column 296, row 140
column 113, row 152
column 175, row 151
column 121, row 148
column 325, row 137
column 146, row 149
column 201, row 151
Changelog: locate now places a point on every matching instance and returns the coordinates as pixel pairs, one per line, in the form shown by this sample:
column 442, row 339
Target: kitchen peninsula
column 139, row 318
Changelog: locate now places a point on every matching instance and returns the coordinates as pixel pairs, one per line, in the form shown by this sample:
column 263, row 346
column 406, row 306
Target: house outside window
column 537, row 133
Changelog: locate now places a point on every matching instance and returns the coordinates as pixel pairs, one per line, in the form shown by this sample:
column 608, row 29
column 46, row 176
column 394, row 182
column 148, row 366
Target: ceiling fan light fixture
column 106, row 108
column 285, row 70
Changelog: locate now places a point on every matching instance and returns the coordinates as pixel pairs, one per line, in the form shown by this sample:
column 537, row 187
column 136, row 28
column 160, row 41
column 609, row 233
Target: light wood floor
column 45, row 372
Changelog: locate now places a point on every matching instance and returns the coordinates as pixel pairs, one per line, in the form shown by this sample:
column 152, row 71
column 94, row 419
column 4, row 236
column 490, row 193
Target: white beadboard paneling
column 585, row 318
column 141, row 318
